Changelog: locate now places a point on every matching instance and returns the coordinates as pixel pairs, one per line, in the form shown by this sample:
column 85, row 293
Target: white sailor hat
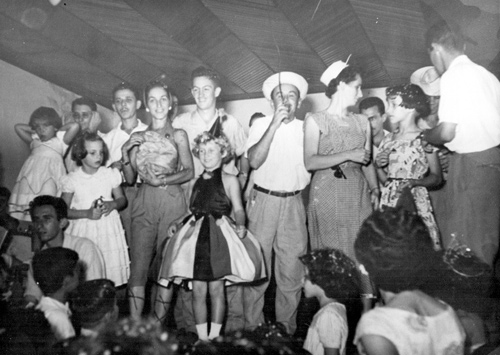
column 428, row 79
column 285, row 77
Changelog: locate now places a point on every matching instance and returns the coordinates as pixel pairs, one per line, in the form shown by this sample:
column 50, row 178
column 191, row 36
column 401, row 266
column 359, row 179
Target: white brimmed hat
column 333, row 71
column 285, row 77
column 428, row 79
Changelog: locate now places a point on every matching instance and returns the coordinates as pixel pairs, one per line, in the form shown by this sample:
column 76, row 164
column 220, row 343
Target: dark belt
column 276, row 193
column 136, row 185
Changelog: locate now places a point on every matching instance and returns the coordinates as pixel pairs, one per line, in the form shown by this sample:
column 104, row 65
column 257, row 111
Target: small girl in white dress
column 44, row 167
column 94, row 196
column 332, row 278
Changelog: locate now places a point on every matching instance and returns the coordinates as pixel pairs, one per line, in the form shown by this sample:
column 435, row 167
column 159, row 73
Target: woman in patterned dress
column 337, row 148
column 411, row 167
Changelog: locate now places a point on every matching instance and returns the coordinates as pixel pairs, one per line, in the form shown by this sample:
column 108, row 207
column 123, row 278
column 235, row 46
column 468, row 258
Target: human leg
column 289, row 244
column 200, row 308
column 162, row 300
column 126, row 214
column 142, row 246
column 218, row 307
column 263, row 216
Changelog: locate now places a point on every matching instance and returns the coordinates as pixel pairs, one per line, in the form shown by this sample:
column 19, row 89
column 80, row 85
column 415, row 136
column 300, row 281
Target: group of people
column 164, row 202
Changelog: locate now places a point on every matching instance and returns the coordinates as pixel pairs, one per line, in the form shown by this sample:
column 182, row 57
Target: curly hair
column 58, row 203
column 396, row 249
column 222, row 142
column 79, row 152
column 347, row 75
column 334, row 272
column 412, row 98
column 47, row 113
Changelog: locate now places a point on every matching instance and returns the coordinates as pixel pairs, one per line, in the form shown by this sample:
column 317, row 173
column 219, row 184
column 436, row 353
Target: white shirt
column 328, row 329
column 470, row 98
column 194, row 125
column 89, row 255
column 57, row 314
column 283, row 169
column 117, row 137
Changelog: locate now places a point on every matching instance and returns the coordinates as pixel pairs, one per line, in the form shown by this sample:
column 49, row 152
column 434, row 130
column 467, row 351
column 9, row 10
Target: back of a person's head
column 446, row 34
column 93, row 301
column 51, row 266
column 395, row 247
column 370, row 102
column 127, row 336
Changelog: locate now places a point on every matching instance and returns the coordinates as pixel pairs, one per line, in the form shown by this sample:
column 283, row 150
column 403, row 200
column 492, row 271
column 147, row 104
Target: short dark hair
column 396, row 249
column 93, row 300
column 207, row 72
column 334, row 272
column 125, row 86
column 79, row 152
column 347, row 75
column 47, row 113
column 58, row 203
column 84, row 101
column 413, row 98
column 370, row 102
column 447, row 34
column 51, row 266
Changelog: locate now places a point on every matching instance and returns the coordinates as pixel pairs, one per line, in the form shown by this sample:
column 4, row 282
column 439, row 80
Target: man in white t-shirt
column 276, row 212
column 469, row 126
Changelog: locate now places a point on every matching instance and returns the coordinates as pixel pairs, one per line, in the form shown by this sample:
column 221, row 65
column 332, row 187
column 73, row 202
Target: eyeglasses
column 81, row 116
column 338, row 173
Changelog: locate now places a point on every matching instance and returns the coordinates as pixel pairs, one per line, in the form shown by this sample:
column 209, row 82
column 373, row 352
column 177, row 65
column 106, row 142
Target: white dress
column 39, row 175
column 328, row 329
column 107, row 232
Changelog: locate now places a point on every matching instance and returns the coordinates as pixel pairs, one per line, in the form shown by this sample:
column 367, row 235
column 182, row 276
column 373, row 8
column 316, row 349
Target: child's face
column 375, row 118
column 44, row 129
column 310, row 289
column 95, row 155
column 158, row 103
column 210, row 155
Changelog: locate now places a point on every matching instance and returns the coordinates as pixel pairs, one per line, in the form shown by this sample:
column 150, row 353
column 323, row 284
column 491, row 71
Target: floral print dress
column 408, row 160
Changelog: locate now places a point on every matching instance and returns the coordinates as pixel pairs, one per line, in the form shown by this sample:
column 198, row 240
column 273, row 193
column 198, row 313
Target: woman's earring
column 147, row 109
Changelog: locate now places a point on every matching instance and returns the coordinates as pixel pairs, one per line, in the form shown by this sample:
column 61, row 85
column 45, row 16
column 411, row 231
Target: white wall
column 20, row 94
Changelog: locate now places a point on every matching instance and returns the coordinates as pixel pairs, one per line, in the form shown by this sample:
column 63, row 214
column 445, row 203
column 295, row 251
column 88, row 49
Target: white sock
column 214, row 330
column 202, row 331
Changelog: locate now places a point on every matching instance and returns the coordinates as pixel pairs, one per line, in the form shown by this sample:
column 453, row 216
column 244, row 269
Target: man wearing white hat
column 276, row 212
column 469, row 114
column 428, row 79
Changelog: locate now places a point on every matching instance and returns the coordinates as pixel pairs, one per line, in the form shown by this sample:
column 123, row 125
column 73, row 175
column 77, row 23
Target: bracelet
column 240, row 228
column 125, row 163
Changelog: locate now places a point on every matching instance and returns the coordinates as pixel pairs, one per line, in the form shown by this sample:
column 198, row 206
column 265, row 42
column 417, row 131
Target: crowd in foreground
column 406, row 221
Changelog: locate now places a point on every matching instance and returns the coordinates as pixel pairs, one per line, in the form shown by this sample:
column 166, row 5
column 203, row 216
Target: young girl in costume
column 94, row 196
column 333, row 279
column 44, row 167
column 411, row 166
column 209, row 248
